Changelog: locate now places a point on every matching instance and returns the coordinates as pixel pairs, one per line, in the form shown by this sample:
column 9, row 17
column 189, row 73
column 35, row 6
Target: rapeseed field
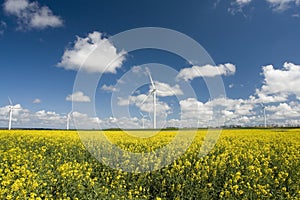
column 244, row 164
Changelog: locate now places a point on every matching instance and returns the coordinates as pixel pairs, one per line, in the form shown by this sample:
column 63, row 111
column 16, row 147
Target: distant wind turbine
column 11, row 108
column 69, row 115
column 143, row 119
column 265, row 117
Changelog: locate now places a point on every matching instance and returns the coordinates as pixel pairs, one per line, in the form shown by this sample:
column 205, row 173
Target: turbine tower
column 69, row 115
column 11, row 108
column 152, row 92
column 143, row 119
column 265, row 117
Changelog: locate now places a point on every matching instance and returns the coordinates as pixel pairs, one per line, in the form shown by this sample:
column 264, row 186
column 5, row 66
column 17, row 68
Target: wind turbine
column 143, row 119
column 69, row 115
column 152, row 92
column 265, row 117
column 11, row 108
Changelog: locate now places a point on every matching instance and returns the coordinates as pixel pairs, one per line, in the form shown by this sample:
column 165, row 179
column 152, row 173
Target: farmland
column 244, row 164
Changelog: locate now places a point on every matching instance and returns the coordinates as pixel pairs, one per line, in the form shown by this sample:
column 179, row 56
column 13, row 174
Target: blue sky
column 246, row 34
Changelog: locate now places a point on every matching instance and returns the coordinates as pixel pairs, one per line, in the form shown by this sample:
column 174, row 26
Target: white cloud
column 144, row 102
column 95, row 54
column 282, row 5
column 193, row 113
column 3, row 26
column 123, row 122
column 243, row 2
column 138, row 70
column 194, row 110
column 212, row 113
column 124, row 101
column 37, row 101
column 280, row 83
column 206, row 71
column 43, row 118
column 267, row 98
column 283, row 110
column 284, row 113
column 31, row 14
column 238, row 5
column 164, row 89
column 4, row 111
column 109, row 88
column 275, row 5
column 25, row 118
column 162, row 108
column 78, row 97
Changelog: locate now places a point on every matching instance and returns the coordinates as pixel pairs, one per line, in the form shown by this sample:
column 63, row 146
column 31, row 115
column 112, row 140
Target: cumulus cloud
column 206, row 71
column 37, row 101
column 162, row 108
column 78, row 97
column 144, row 102
column 193, row 114
column 284, row 111
column 24, row 118
column 94, row 54
column 164, row 89
column 282, row 5
column 236, row 6
column 31, row 14
column 123, row 122
column 239, row 4
column 212, row 113
column 268, row 98
column 284, row 114
column 242, row 2
column 109, row 88
column 19, row 114
column 280, row 83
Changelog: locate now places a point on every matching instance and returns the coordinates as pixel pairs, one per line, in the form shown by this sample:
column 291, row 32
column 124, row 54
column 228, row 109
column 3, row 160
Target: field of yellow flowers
column 244, row 164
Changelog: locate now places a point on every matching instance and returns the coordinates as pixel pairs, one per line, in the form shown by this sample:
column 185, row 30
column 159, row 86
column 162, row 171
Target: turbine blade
column 152, row 83
column 165, row 92
column 150, row 93
column 10, row 102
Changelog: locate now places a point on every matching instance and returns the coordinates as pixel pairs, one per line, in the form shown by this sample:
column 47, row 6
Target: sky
column 252, row 47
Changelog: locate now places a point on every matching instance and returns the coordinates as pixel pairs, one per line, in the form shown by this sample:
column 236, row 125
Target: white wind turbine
column 69, row 115
column 143, row 119
column 265, row 116
column 11, row 108
column 152, row 92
